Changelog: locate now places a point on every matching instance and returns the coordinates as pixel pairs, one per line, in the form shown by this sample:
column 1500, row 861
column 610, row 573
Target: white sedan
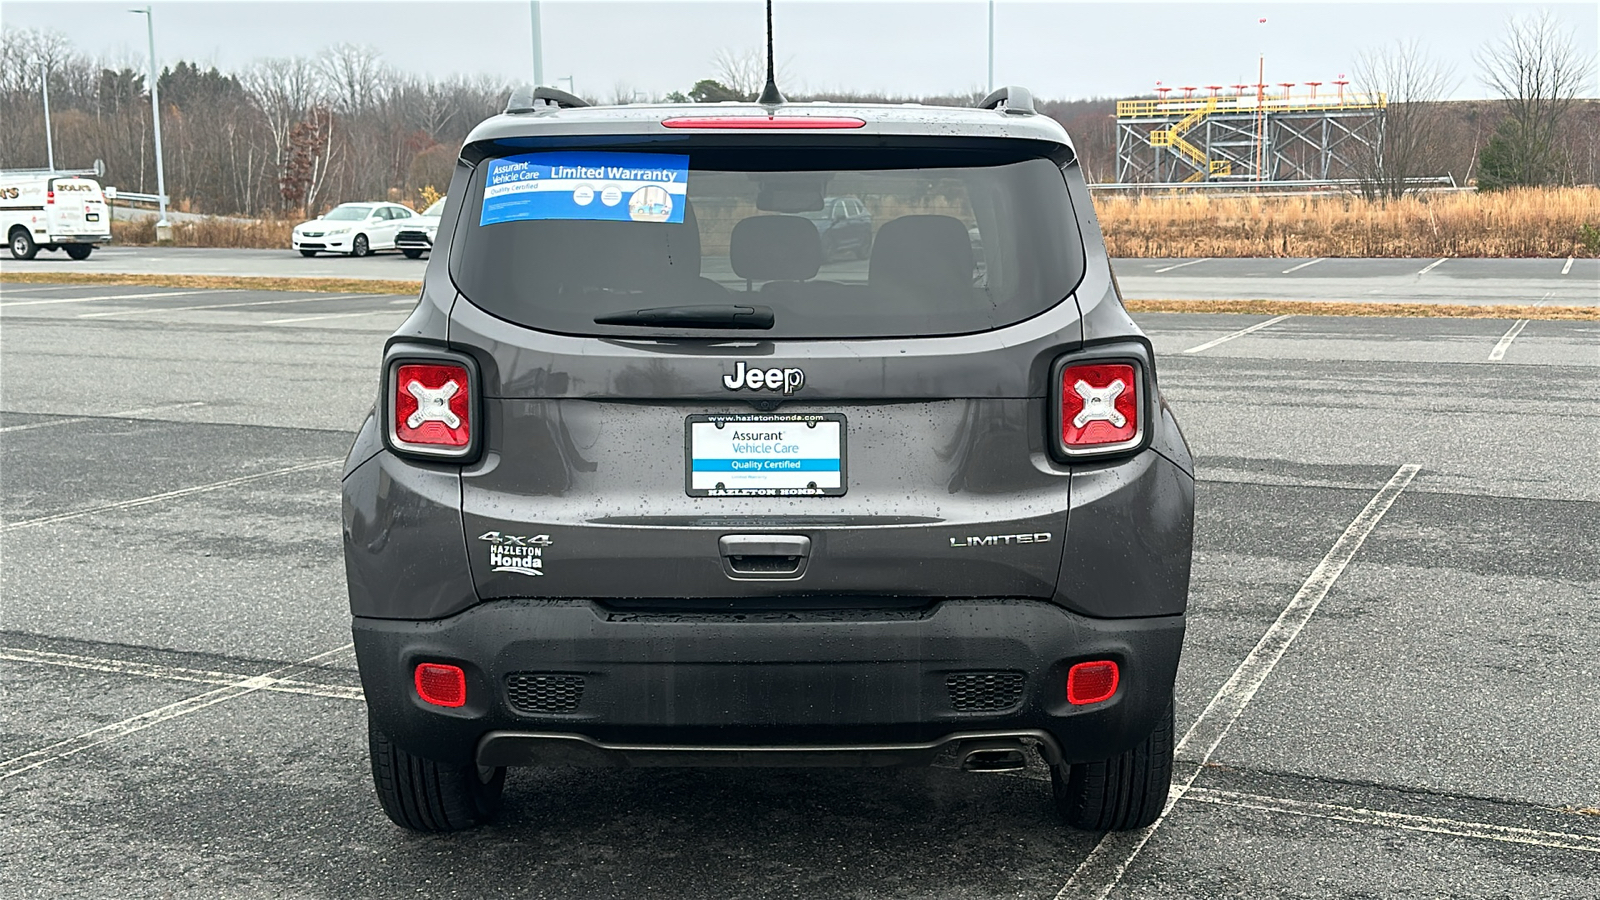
column 357, row 229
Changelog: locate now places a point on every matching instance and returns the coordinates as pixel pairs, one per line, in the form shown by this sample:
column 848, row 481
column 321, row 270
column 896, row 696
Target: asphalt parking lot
column 1554, row 282
column 1389, row 686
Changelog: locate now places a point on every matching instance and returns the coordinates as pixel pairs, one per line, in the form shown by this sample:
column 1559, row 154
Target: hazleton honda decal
column 998, row 540
column 522, row 554
column 748, row 377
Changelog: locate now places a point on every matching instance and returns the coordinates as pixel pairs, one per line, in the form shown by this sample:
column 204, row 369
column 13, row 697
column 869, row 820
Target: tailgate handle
column 764, row 555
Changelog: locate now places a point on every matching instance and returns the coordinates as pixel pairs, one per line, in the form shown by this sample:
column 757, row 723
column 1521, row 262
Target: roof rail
column 1018, row 101
column 526, row 100
column 60, row 173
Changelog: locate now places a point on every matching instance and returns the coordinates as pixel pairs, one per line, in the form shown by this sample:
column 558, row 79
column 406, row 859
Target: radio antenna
column 770, row 95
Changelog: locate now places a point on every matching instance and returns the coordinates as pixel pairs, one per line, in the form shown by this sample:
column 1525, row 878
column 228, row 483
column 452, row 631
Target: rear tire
column 411, row 252
column 22, row 245
column 360, row 246
column 1123, row 793
column 423, row 795
column 308, row 253
column 79, row 251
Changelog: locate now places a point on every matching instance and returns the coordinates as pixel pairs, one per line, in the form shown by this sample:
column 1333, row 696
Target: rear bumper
column 524, row 748
column 814, row 687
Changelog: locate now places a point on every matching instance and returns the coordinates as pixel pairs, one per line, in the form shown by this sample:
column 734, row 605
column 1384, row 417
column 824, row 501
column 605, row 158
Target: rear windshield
column 863, row 243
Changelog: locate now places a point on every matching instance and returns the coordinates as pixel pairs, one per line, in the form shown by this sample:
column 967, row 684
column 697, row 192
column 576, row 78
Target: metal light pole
column 991, row 46
column 49, row 143
column 163, row 227
column 538, row 44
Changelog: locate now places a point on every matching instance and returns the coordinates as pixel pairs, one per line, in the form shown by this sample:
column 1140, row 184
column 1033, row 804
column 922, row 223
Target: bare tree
column 1538, row 71
column 285, row 89
column 355, row 76
column 1409, row 147
column 745, row 71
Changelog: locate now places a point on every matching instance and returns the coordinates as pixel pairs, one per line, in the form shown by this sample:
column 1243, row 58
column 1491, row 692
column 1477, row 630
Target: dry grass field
column 1545, row 222
column 1538, row 222
column 258, row 234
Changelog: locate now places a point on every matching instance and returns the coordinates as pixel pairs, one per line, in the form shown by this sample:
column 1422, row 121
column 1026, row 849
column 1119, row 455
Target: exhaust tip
column 994, row 759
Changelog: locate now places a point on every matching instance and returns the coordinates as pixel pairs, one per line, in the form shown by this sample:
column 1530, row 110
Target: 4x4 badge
column 743, row 377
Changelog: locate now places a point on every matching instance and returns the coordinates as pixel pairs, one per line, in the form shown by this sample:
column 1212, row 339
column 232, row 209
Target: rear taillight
column 1099, row 407
column 441, row 684
column 431, row 408
column 49, row 196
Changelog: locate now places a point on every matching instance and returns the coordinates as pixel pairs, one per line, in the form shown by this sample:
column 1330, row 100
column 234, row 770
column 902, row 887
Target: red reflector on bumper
column 1091, row 682
column 441, row 684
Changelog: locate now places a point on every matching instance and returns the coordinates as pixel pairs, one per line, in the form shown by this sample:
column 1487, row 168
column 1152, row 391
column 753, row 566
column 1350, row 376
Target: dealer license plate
column 759, row 455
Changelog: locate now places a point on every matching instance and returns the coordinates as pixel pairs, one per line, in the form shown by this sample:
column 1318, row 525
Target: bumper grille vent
column 538, row 692
column 984, row 691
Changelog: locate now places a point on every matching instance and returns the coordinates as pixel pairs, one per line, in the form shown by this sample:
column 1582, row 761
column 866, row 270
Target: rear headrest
column 775, row 248
column 683, row 243
column 923, row 253
column 638, row 255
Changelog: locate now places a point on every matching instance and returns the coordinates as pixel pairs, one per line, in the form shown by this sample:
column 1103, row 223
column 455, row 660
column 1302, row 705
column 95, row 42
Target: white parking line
column 1237, row 334
column 30, row 287
column 347, row 315
column 1103, row 868
column 1192, row 262
column 1568, row 267
column 1302, row 265
column 1431, row 266
column 169, row 495
column 1559, row 840
column 1499, row 351
column 107, row 297
column 171, row 673
column 172, row 309
column 124, row 414
column 107, row 733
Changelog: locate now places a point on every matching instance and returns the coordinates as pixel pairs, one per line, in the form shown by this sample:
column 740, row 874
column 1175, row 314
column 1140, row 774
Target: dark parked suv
column 654, row 480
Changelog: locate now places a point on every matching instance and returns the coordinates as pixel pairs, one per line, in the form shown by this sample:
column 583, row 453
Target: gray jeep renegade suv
column 653, row 480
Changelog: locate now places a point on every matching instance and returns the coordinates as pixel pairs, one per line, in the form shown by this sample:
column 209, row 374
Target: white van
column 55, row 212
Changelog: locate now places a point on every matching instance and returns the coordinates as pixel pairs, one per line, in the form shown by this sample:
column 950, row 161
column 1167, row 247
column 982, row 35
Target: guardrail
column 1177, row 106
column 132, row 197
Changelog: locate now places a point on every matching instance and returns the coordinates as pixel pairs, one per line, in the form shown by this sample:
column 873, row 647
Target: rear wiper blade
column 693, row 317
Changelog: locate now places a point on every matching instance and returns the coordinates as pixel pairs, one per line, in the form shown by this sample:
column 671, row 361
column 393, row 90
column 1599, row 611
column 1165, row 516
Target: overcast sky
column 1060, row 50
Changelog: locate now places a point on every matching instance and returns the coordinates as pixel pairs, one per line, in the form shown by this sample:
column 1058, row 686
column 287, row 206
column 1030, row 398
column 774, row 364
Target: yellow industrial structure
column 1250, row 135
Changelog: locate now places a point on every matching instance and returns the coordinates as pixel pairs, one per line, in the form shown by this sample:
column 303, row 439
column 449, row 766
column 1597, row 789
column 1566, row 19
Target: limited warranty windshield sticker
column 592, row 185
